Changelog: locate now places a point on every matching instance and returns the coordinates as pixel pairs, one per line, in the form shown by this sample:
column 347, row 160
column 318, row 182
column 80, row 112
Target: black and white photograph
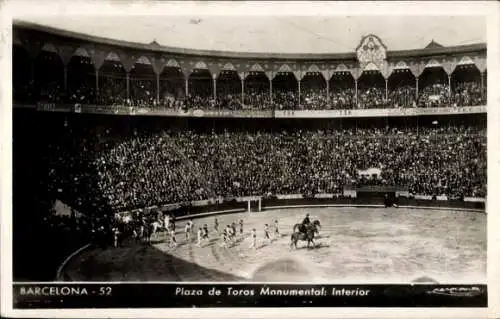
column 240, row 160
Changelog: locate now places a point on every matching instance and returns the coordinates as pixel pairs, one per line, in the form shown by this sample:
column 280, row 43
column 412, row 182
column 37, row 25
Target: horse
column 300, row 226
column 307, row 235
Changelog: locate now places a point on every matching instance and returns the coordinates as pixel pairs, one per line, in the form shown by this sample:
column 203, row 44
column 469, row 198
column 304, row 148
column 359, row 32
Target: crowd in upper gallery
column 465, row 87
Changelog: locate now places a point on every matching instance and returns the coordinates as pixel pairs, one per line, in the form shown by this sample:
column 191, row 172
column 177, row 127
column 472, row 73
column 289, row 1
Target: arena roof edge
column 17, row 24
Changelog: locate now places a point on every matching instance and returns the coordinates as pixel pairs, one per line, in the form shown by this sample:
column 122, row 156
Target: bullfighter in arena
column 266, row 232
column 276, row 229
column 254, row 239
column 200, row 236
column 216, row 225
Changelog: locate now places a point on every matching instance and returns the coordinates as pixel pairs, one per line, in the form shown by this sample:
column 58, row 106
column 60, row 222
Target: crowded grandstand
column 81, row 136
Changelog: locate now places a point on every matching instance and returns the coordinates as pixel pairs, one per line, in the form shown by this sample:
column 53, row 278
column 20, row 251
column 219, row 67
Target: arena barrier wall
column 374, row 202
column 184, row 211
column 228, row 207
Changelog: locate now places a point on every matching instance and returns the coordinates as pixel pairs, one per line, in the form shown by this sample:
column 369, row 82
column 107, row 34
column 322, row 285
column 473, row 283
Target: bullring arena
column 118, row 127
column 372, row 245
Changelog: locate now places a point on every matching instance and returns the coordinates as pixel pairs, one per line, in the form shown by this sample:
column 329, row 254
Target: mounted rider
column 306, row 220
column 304, row 224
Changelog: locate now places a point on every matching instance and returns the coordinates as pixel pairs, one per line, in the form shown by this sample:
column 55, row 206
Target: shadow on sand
column 143, row 262
column 138, row 263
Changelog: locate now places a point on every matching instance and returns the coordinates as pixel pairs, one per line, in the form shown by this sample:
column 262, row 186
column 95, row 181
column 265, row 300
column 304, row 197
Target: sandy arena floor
column 355, row 245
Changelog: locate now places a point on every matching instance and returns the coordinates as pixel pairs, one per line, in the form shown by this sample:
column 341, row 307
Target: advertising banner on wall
column 380, row 112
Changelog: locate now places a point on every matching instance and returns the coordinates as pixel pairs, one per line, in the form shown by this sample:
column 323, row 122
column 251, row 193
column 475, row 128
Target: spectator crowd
column 166, row 168
column 143, row 94
column 142, row 90
column 148, row 166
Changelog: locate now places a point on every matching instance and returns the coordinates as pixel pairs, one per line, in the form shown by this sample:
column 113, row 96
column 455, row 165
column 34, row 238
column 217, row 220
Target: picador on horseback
column 305, row 222
column 305, row 231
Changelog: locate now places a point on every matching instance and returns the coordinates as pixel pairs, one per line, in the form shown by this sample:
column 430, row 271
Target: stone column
column 271, row 89
column 214, row 79
column 356, row 74
column 270, row 75
column 386, row 89
column 417, row 69
column 242, row 91
column 328, row 90
column 98, row 57
column 157, row 88
column 33, row 46
column 65, row 77
column 416, row 87
column 242, row 79
column 449, row 67
column 65, row 53
column 356, row 92
column 482, row 84
column 449, row 89
column 299, row 75
column 128, row 84
column 480, row 62
column 96, row 83
column 298, row 82
column 128, row 63
column 327, row 75
column 158, row 65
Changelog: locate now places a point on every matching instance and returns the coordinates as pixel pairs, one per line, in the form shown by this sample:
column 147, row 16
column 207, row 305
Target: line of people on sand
column 227, row 234
column 232, row 231
column 304, row 231
column 146, row 229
